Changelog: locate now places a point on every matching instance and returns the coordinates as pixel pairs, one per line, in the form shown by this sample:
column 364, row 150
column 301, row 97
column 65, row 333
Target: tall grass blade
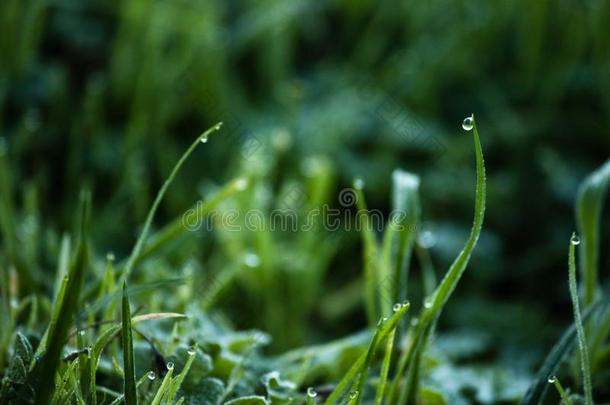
column 137, row 249
column 129, row 367
column 588, row 216
column 435, row 304
column 580, row 331
column 65, row 310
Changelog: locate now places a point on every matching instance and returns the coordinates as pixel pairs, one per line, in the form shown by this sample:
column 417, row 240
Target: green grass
column 394, row 378
column 99, row 294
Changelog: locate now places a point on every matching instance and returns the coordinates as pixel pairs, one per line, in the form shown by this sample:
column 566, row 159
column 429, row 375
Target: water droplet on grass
column 241, row 184
column 428, row 303
column 575, row 240
column 426, row 239
column 353, row 394
column 170, row 366
column 151, row 375
column 81, row 332
column 358, row 184
column 468, row 123
column 552, row 379
column 192, row 350
column 252, row 260
column 382, row 321
column 397, row 307
column 311, row 392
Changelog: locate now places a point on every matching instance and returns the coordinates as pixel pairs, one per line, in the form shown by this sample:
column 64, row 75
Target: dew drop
column 252, row 260
column 151, row 375
column 575, row 240
column 382, row 321
column 311, row 392
column 358, row 184
column 217, row 126
column 170, row 366
column 192, row 350
column 405, row 303
column 426, row 239
column 468, row 123
column 353, row 394
column 241, row 184
column 81, row 332
column 110, row 257
column 204, row 139
column 552, row 379
column 428, row 303
column 397, row 307
column 14, row 303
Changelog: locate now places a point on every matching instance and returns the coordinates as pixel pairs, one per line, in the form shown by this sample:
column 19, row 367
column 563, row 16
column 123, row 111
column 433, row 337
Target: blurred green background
column 107, row 94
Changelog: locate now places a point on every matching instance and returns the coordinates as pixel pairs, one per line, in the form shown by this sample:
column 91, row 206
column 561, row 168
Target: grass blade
column 588, row 214
column 64, row 312
column 174, row 229
column 370, row 256
column 385, row 368
column 582, row 341
column 137, row 249
column 129, row 367
column 435, row 304
column 361, row 365
column 565, row 400
column 405, row 203
column 164, row 388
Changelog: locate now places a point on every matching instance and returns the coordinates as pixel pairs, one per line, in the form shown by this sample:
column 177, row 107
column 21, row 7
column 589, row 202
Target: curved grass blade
column 129, row 367
column 143, row 287
column 65, row 310
column 580, row 331
column 588, row 214
column 535, row 394
column 177, row 227
column 448, row 284
column 137, row 249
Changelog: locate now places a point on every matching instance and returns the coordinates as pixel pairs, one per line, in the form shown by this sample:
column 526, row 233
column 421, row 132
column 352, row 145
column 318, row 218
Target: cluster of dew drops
column 192, row 350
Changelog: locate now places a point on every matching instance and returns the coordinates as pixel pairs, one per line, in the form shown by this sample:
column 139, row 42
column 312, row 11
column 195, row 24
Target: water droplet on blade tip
column 468, row 123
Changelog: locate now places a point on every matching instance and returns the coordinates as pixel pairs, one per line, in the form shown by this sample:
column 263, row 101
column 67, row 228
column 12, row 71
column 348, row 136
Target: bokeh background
column 107, row 94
